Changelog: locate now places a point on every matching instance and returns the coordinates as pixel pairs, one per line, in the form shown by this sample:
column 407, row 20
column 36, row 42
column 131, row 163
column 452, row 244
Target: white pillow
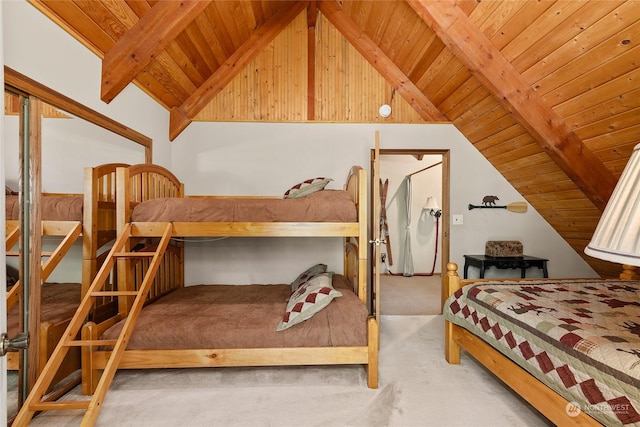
column 307, row 187
column 307, row 300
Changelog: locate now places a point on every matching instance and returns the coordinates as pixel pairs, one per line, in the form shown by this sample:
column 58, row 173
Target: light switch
column 457, row 220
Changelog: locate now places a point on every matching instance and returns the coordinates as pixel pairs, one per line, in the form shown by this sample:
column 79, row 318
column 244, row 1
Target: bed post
column 451, row 347
column 630, row 272
column 373, row 334
column 90, row 376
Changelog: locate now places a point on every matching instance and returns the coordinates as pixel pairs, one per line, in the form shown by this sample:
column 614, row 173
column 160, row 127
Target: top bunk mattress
column 54, row 208
column 579, row 337
column 321, row 206
column 244, row 316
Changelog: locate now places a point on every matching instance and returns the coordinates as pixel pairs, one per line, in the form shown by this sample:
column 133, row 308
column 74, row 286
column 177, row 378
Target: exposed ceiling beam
column 489, row 66
column 149, row 36
column 181, row 116
column 380, row 61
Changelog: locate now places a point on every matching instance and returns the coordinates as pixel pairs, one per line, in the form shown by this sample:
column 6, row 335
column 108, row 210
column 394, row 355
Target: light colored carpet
column 415, row 295
column 417, row 388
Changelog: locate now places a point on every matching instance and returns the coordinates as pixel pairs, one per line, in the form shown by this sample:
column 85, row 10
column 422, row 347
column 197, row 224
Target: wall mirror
column 49, row 140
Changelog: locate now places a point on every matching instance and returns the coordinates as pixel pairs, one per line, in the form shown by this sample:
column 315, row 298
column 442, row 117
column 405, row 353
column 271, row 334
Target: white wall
column 267, row 158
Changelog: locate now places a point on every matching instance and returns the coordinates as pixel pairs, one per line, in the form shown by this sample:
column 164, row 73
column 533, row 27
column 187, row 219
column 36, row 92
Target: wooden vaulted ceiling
column 547, row 90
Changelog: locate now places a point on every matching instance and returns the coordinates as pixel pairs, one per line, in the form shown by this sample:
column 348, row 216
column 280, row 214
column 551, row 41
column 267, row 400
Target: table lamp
column 617, row 236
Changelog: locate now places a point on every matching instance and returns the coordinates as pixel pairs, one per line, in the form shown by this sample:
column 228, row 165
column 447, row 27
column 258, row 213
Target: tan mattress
column 244, row 316
column 59, row 302
column 54, row 208
column 322, row 206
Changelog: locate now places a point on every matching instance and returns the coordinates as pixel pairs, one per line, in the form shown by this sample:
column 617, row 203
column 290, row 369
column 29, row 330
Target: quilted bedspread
column 579, row 337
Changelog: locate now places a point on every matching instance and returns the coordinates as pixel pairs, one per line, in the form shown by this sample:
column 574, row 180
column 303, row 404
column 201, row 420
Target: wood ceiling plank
column 414, row 44
column 378, row 20
column 582, row 78
column 102, row 16
column 485, row 61
column 423, row 63
column 370, row 51
column 542, row 183
column 549, row 22
column 575, row 24
column 610, row 24
column 538, row 164
column 146, row 39
column 197, row 45
column 181, row 116
column 604, row 110
column 502, row 130
column 511, row 149
column 489, row 115
column 490, row 16
column 619, row 139
column 140, row 8
column 519, row 21
column 603, row 93
column 459, row 101
column 73, row 20
column 613, row 123
column 217, row 20
column 393, row 31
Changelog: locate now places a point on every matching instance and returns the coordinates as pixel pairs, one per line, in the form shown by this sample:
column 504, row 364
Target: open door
column 376, row 240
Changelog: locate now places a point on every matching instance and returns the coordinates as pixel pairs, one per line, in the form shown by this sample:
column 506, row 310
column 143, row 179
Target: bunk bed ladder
column 36, row 401
column 70, row 231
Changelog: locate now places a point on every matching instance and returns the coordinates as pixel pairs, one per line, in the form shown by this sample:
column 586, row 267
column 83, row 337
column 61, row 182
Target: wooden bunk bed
column 66, row 217
column 569, row 347
column 150, row 270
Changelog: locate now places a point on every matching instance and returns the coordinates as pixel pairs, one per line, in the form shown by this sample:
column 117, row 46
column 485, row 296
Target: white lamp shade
column 617, row 236
column 431, row 204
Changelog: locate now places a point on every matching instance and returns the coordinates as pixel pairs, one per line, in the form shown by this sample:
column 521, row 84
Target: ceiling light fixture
column 385, row 110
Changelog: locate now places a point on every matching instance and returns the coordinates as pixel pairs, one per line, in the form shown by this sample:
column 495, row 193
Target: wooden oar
column 518, row 207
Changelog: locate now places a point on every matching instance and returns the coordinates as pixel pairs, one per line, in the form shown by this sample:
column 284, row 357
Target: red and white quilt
column 579, row 337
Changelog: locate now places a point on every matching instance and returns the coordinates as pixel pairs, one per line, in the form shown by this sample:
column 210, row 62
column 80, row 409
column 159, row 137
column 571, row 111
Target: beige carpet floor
column 418, row 388
column 415, row 295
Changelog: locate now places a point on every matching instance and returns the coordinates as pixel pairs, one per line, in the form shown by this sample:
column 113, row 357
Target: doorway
column 414, row 200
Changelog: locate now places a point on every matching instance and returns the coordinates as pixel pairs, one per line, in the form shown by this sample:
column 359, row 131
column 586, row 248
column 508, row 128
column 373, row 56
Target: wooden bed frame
column 143, row 182
column 547, row 401
column 97, row 228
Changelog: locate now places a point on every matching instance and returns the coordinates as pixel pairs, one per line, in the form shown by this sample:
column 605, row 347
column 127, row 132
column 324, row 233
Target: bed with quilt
column 577, row 340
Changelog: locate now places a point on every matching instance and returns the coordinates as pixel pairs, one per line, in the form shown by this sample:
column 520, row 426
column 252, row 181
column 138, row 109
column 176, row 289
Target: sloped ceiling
column 548, row 90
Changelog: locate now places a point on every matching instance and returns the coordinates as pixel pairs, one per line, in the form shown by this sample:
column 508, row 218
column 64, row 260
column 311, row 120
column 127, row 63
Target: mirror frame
column 35, row 94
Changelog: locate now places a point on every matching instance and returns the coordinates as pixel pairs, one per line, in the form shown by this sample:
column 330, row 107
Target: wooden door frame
column 445, row 219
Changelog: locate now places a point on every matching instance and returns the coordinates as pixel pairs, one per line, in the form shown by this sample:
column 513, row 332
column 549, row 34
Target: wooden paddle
column 518, row 207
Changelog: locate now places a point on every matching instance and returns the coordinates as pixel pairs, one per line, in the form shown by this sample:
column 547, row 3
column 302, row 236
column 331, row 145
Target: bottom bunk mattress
column 244, row 316
column 579, row 337
column 59, row 303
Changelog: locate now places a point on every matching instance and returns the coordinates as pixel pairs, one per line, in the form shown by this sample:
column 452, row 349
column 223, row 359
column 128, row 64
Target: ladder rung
column 114, row 293
column 134, row 254
column 16, row 253
column 80, row 343
column 60, row 405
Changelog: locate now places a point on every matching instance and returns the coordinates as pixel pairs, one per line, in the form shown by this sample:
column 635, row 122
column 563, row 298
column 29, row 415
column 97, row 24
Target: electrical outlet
column 457, row 220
